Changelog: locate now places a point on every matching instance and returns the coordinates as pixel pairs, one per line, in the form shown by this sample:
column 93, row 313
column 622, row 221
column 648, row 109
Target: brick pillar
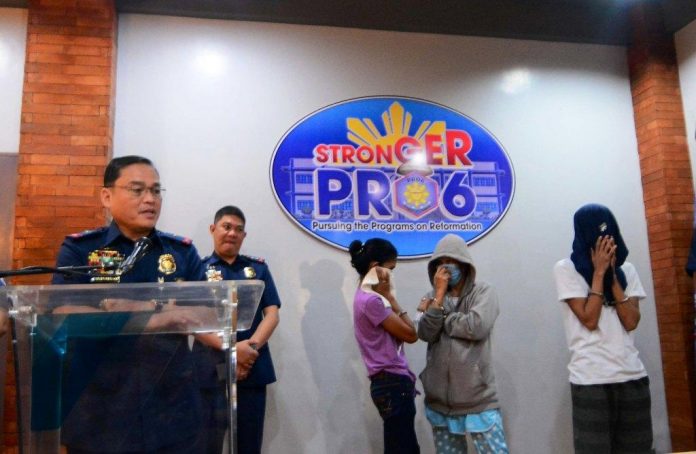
column 668, row 196
column 66, row 135
column 66, row 127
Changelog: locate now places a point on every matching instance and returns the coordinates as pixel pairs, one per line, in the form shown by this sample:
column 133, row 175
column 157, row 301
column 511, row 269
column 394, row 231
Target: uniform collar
column 113, row 233
column 215, row 259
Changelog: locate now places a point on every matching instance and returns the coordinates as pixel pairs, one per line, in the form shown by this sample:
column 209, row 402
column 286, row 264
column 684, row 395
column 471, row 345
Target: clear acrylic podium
column 113, row 368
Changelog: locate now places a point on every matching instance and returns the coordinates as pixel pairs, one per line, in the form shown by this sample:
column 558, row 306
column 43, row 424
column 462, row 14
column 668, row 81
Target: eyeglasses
column 138, row 191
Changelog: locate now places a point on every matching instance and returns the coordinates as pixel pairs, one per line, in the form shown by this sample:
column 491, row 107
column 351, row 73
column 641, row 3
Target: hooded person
column 457, row 319
column 600, row 291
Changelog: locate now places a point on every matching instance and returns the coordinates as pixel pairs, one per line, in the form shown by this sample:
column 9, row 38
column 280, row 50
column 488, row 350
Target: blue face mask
column 455, row 274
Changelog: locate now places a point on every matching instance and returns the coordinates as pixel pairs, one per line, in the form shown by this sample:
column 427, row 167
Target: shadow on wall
column 334, row 361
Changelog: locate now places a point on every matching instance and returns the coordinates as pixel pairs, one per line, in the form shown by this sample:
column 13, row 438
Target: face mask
column 455, row 274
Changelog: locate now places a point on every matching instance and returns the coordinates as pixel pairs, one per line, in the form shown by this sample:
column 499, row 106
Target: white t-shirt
column 607, row 354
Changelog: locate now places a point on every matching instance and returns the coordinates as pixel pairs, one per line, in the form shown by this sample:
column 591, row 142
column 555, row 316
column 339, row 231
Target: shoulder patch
column 180, row 239
column 254, row 259
column 86, row 233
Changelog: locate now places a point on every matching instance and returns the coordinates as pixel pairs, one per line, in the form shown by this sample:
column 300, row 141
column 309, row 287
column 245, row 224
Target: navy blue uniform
column 251, row 395
column 691, row 262
column 131, row 393
column 78, row 248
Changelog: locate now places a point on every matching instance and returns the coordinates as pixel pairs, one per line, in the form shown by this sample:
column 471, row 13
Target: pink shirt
column 380, row 351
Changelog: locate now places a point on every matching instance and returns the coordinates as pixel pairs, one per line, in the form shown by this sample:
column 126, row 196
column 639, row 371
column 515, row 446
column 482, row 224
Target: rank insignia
column 249, row 272
column 108, row 260
column 167, row 265
column 213, row 275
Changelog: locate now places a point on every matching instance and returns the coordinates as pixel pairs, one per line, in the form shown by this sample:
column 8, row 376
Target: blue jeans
column 394, row 396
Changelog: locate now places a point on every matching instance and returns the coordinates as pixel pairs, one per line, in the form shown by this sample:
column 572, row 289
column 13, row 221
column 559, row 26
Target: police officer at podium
column 254, row 365
column 134, row 394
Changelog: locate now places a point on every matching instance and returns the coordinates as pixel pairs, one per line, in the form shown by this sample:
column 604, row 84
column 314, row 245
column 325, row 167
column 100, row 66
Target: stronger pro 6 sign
column 399, row 168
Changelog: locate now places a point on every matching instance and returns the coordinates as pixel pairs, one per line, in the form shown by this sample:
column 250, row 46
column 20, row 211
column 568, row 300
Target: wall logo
column 403, row 169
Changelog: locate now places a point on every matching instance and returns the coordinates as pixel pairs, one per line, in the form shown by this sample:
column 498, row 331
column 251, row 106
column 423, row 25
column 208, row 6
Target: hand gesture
column 441, row 280
column 246, row 357
column 424, row 304
column 603, row 254
column 384, row 285
column 176, row 320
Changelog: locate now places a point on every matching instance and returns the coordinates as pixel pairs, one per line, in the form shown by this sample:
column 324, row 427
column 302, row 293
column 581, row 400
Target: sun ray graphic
column 396, row 124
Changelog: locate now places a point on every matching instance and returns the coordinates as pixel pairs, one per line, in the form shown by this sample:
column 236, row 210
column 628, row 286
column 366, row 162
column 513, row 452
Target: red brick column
column 668, row 196
column 67, row 124
column 66, row 135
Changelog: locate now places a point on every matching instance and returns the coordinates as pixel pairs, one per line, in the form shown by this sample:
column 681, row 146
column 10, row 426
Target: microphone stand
column 66, row 270
column 141, row 248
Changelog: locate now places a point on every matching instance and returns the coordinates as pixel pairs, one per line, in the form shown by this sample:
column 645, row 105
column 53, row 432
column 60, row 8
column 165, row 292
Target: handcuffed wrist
column 436, row 311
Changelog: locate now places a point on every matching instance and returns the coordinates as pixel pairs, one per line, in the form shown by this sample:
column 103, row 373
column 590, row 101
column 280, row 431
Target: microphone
column 141, row 248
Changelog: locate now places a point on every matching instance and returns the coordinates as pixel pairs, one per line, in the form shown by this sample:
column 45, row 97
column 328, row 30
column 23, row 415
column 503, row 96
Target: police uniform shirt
column 245, row 267
column 171, row 257
column 130, row 393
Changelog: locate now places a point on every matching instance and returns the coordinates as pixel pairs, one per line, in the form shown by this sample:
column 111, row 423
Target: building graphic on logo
column 484, row 178
column 425, row 171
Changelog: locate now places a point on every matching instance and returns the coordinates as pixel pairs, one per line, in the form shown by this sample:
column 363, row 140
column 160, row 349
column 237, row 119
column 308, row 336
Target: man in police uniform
column 138, row 392
column 254, row 365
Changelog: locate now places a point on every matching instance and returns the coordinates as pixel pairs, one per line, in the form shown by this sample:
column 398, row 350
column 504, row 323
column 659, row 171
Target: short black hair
column 113, row 170
column 229, row 210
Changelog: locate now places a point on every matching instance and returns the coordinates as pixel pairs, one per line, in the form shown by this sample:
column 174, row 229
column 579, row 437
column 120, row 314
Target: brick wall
column 66, row 139
column 668, row 196
column 66, row 135
column 66, row 125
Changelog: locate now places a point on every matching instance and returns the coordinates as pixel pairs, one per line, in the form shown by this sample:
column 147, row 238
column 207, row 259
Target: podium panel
column 121, row 368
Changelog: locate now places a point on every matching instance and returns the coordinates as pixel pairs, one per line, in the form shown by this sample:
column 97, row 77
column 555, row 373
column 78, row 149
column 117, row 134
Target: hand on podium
column 182, row 319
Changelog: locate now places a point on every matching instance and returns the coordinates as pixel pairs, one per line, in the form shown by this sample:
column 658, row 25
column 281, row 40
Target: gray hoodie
column 458, row 376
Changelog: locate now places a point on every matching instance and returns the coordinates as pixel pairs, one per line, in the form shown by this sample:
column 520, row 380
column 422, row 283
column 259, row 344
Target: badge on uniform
column 249, row 272
column 212, row 274
column 167, row 265
column 108, row 260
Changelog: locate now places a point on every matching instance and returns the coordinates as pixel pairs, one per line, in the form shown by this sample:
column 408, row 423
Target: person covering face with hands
column 457, row 319
column 600, row 291
column 381, row 327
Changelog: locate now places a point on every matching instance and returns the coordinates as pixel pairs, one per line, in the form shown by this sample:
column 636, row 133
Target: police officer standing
column 138, row 393
column 254, row 365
